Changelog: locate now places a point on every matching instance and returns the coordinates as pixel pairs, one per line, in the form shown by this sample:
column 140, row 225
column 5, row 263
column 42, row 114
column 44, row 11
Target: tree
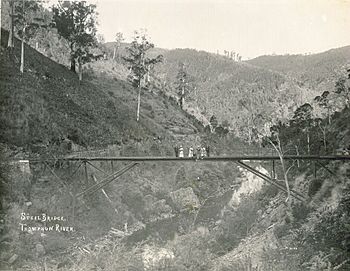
column 139, row 64
column 323, row 102
column 76, row 22
column 302, row 119
column 275, row 140
column 11, row 28
column 100, row 42
column 183, row 83
column 26, row 20
column 83, row 56
column 221, row 131
column 233, row 55
column 101, row 49
column 118, row 41
column 100, row 39
column 342, row 88
column 253, row 120
column 213, row 122
column 323, row 128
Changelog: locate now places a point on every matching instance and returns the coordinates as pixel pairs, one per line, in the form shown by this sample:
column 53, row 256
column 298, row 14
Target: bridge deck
column 193, row 159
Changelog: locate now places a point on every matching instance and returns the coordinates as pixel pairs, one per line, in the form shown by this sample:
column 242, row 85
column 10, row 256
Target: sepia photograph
column 175, row 135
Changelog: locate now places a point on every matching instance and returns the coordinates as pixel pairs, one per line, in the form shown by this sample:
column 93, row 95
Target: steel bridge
column 194, row 159
column 240, row 160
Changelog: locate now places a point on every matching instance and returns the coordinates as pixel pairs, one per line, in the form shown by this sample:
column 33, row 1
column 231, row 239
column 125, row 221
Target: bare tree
column 26, row 20
column 139, row 63
column 118, row 40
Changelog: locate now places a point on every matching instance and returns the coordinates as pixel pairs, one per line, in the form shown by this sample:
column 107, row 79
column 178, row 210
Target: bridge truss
column 241, row 161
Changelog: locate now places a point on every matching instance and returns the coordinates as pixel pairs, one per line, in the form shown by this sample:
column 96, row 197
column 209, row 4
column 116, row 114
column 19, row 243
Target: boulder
column 185, row 198
column 157, row 258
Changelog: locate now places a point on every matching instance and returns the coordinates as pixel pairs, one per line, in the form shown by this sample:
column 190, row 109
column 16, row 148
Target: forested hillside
column 212, row 77
column 240, row 93
column 316, row 71
column 235, row 92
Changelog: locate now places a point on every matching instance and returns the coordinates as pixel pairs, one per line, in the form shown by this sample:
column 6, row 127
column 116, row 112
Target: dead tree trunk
column 279, row 150
column 297, row 151
column 138, row 102
column 114, row 52
column 80, row 69
column 182, row 100
column 22, row 51
column 141, row 78
column 10, row 39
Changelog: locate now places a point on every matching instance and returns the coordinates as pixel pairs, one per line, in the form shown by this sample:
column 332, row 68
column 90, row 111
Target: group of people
column 199, row 153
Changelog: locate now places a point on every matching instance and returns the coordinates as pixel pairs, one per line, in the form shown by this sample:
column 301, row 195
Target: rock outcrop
column 185, row 198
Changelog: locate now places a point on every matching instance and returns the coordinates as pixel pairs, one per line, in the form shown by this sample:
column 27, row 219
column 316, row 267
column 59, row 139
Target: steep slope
column 310, row 235
column 249, row 94
column 223, row 88
column 235, row 92
column 47, row 103
column 317, row 71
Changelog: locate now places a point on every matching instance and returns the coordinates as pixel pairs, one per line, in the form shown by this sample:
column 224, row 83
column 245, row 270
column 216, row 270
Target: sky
column 249, row 27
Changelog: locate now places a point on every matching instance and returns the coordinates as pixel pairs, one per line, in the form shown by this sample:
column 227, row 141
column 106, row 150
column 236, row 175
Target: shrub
column 315, row 186
column 237, row 223
column 300, row 211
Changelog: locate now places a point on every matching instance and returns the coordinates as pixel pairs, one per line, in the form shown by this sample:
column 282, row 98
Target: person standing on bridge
column 190, row 152
column 207, row 149
column 203, row 152
column 198, row 153
column 181, row 152
column 176, row 149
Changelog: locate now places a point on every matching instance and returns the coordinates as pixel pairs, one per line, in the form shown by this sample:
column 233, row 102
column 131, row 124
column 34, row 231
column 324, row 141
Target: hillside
column 233, row 91
column 316, row 71
column 279, row 84
column 220, row 87
column 315, row 235
column 47, row 103
column 239, row 93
